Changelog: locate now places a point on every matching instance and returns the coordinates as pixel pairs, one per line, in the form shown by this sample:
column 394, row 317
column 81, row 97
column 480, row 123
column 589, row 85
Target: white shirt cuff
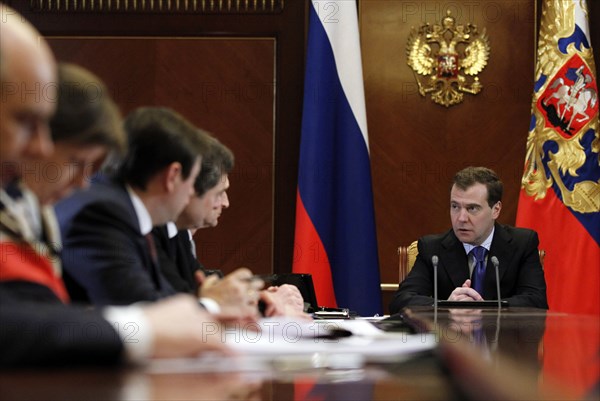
column 210, row 305
column 134, row 329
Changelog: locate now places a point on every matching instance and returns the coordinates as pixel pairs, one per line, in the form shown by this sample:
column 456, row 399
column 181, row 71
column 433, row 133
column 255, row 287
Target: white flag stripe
column 340, row 20
column 581, row 18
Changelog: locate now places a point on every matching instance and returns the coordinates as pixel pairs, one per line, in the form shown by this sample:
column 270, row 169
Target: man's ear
column 496, row 210
column 172, row 176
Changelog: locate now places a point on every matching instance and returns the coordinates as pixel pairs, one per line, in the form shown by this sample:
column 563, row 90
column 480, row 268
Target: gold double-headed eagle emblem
column 446, row 59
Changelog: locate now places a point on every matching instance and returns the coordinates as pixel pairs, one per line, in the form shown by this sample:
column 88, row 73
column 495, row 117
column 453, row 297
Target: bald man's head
column 27, row 93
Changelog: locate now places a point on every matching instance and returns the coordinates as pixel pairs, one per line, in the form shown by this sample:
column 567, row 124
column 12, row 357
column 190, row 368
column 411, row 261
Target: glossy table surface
column 419, row 379
column 485, row 354
column 554, row 355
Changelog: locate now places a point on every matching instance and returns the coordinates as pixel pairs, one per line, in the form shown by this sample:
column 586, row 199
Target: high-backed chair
column 542, row 256
column 406, row 260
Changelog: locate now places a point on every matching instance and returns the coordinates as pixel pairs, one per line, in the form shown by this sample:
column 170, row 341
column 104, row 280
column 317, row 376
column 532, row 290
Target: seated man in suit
column 174, row 241
column 109, row 253
column 465, row 269
column 36, row 333
column 106, row 249
column 178, row 259
column 83, row 132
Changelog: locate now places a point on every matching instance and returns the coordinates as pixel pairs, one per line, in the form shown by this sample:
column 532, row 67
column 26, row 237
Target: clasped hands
column 465, row 293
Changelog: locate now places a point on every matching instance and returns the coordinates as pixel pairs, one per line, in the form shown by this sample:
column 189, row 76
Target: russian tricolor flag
column 335, row 223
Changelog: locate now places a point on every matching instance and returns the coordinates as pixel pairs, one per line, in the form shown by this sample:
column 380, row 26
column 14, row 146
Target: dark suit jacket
column 521, row 276
column 38, row 334
column 177, row 263
column 104, row 255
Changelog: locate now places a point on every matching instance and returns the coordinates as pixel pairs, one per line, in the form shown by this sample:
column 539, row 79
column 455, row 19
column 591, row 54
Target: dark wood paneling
column 223, row 85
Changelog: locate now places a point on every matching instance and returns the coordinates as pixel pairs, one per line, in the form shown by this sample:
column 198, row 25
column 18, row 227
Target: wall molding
column 160, row 6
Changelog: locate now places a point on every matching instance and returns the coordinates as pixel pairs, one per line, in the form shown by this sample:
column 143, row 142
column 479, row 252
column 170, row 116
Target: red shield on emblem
column 447, row 66
column 570, row 99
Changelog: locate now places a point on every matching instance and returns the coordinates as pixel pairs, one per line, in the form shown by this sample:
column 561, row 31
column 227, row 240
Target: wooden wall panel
column 222, row 85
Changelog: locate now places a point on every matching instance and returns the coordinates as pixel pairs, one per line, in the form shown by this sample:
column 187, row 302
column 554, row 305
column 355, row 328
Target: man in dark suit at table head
column 465, row 253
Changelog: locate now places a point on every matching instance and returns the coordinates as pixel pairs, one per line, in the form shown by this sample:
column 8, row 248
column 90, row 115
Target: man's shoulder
column 99, row 191
column 110, row 196
column 437, row 238
column 519, row 233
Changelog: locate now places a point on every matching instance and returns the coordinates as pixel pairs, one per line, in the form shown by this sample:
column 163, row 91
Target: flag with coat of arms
column 560, row 189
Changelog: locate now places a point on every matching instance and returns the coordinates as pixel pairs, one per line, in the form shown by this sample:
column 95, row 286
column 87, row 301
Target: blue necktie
column 479, row 253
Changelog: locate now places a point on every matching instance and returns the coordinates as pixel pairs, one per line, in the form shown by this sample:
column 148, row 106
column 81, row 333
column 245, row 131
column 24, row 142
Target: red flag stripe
column 310, row 256
column 571, row 286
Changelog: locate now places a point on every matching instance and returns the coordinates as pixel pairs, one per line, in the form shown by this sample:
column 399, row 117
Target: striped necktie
column 478, row 276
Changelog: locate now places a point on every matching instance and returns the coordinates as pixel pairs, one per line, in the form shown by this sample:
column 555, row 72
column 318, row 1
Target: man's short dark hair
column 218, row 160
column 85, row 112
column 158, row 137
column 470, row 176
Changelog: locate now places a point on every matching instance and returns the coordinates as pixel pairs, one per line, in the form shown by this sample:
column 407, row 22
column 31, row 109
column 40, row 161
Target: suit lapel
column 39, row 262
column 9, row 226
column 184, row 257
column 454, row 259
column 15, row 226
column 13, row 220
column 500, row 248
column 52, row 239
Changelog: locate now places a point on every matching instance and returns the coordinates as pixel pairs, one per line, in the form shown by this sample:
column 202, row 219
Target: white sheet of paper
column 284, row 344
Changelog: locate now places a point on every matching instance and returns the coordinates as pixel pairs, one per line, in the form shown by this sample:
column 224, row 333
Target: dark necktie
column 154, row 256
column 152, row 248
column 193, row 248
column 479, row 253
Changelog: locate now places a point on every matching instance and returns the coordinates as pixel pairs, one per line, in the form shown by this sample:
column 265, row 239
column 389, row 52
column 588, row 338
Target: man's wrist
column 210, row 305
column 134, row 330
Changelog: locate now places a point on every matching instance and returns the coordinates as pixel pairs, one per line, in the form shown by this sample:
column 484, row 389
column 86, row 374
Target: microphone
column 435, row 260
column 496, row 264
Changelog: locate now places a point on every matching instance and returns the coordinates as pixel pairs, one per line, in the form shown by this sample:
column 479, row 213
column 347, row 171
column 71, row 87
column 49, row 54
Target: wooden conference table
column 512, row 354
